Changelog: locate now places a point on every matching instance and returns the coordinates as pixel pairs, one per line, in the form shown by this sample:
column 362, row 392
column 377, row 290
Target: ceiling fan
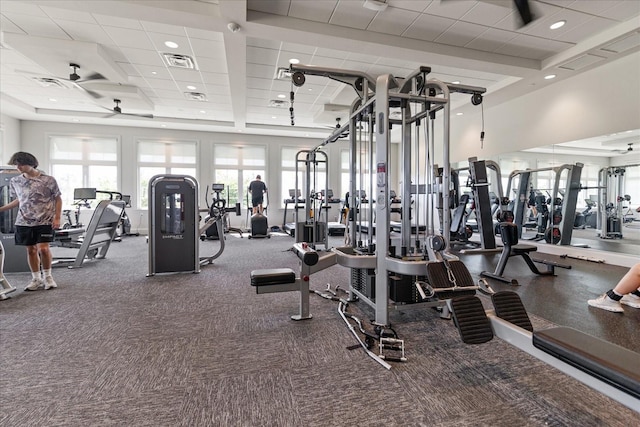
column 628, row 150
column 74, row 78
column 117, row 111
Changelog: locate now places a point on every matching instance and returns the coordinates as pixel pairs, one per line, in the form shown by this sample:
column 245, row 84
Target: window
column 236, row 167
column 163, row 157
column 78, row 162
column 288, row 175
column 345, row 172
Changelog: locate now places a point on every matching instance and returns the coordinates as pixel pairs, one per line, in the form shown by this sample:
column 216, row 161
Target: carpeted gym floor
column 111, row 346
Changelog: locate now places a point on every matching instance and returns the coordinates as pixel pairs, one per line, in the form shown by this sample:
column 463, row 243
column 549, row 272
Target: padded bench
column 612, row 364
column 272, row 276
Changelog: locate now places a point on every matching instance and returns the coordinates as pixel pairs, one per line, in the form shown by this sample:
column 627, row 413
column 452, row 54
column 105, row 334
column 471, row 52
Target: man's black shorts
column 257, row 201
column 29, row 236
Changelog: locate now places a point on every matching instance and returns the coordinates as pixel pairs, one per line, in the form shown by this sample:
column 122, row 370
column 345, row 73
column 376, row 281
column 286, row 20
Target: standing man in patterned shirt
column 38, row 197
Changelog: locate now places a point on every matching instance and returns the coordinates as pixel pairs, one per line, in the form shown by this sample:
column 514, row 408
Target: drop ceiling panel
column 276, row 7
column 317, row 10
column 449, row 9
column 622, row 10
column 40, row 26
column 159, row 39
column 160, row 72
column 351, row 14
column 143, row 57
column 206, row 35
column 428, row 27
column 117, row 21
column 491, row 40
column 85, row 31
column 461, row 33
column 257, row 55
column 212, row 65
column 212, row 49
column 586, row 30
column 214, row 78
column 126, row 37
column 393, row 21
column 161, row 28
column 184, row 75
column 486, row 13
column 76, row 16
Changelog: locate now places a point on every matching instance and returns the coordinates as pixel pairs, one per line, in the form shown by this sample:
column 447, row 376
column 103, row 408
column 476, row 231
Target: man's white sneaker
column 49, row 283
column 33, row 285
column 606, row 303
column 631, row 300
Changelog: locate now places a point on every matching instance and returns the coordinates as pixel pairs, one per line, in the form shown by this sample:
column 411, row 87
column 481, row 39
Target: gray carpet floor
column 111, row 346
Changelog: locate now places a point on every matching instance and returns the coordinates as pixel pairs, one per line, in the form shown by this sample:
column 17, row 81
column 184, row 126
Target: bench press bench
column 509, row 236
column 273, row 280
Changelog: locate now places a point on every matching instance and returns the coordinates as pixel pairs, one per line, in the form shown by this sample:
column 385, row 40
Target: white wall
column 597, row 102
column 9, row 137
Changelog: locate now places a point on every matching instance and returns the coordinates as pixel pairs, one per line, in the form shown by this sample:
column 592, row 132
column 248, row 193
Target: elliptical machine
column 259, row 224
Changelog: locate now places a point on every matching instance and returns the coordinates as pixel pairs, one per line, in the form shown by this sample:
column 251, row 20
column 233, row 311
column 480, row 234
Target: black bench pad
column 272, row 276
column 609, row 362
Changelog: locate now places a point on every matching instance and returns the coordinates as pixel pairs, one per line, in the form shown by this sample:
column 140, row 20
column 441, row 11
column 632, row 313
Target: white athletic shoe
column 631, row 300
column 49, row 283
column 34, row 284
column 606, row 303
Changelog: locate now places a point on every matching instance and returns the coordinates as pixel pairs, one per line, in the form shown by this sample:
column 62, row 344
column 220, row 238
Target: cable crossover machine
column 416, row 269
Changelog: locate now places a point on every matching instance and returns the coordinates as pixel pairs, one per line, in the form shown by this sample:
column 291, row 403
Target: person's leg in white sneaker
column 35, row 283
column 606, row 303
column 626, row 292
column 632, row 300
column 49, row 283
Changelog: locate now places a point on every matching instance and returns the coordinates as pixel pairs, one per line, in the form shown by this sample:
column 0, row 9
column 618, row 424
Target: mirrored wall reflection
column 607, row 208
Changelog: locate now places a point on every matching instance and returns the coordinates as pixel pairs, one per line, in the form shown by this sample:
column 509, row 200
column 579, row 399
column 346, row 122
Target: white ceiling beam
column 299, row 31
column 235, row 46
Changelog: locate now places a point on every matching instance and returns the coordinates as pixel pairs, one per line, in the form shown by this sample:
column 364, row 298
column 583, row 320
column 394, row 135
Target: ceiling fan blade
column 91, row 93
column 145, row 116
column 94, row 76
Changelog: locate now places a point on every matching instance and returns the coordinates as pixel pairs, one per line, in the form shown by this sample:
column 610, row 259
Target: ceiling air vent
column 278, row 103
column 195, row 96
column 179, row 61
column 49, row 82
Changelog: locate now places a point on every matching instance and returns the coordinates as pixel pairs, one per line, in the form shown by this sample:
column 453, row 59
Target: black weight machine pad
column 272, row 276
column 509, row 307
column 439, row 278
column 471, row 319
column 615, row 365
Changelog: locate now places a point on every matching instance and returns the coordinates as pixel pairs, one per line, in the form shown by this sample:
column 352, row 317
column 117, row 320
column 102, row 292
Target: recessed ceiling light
column 191, row 87
column 281, row 96
column 274, row 117
column 53, row 100
column 456, row 82
column 550, row 76
column 203, row 112
column 557, row 25
column 154, row 72
column 459, row 114
column 75, row 120
column 294, row 61
column 172, row 45
column 163, row 126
